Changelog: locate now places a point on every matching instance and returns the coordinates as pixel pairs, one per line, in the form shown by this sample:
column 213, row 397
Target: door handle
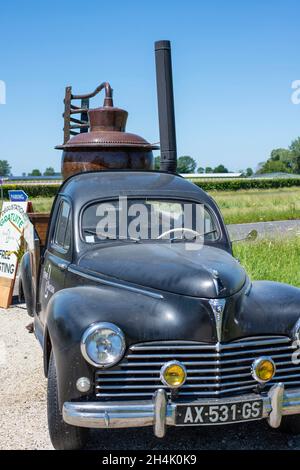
column 62, row 266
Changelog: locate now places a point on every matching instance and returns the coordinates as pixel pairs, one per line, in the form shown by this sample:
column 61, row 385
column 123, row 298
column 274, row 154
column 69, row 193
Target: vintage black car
column 154, row 330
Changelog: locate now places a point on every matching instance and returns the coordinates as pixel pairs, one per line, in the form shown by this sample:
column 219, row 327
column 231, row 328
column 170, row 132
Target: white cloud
column 2, row 92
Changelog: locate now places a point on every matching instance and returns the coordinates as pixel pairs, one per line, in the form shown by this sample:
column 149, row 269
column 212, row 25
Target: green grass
column 253, row 205
column 258, row 205
column 276, row 260
column 42, row 204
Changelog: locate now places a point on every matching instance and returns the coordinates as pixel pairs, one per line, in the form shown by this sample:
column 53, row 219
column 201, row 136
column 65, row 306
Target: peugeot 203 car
column 151, row 329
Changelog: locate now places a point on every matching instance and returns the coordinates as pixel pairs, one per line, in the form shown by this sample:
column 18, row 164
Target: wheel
column 21, row 295
column 290, row 424
column 63, row 436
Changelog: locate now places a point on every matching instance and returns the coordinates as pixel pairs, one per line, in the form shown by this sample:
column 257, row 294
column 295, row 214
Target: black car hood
column 207, row 272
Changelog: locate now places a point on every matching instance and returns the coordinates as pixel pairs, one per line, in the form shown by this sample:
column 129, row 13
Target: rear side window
column 62, row 234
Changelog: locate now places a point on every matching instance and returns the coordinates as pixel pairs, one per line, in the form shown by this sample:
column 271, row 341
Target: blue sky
column 233, row 65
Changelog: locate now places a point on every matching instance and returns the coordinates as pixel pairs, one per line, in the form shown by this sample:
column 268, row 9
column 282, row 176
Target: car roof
column 87, row 186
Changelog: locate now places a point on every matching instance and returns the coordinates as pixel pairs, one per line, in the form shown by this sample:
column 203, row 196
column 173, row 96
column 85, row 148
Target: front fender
column 269, row 308
column 141, row 318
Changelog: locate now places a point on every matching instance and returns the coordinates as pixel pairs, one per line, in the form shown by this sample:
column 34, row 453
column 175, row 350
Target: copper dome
column 106, row 144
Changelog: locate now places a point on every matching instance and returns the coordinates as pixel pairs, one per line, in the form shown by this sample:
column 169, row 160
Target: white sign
column 13, row 220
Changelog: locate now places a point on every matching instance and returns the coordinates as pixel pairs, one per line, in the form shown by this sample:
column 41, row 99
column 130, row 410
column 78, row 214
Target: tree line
column 187, row 164
column 5, row 170
column 281, row 160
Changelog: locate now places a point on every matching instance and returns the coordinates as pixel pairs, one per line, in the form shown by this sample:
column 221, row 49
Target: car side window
column 62, row 234
column 67, row 241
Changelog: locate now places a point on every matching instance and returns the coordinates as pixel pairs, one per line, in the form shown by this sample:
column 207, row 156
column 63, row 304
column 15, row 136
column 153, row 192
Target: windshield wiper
column 183, row 238
column 94, row 232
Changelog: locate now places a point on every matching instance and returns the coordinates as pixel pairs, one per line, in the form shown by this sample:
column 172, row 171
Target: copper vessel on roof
column 106, row 145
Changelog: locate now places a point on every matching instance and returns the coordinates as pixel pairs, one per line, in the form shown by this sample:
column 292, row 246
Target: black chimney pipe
column 165, row 99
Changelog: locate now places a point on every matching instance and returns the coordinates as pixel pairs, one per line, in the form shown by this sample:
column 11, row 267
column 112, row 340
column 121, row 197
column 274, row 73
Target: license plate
column 222, row 413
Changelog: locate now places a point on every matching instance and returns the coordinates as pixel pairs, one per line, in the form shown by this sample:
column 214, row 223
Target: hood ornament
column 218, row 306
column 216, row 280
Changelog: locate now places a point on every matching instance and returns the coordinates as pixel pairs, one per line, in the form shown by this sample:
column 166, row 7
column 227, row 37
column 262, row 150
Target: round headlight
column 173, row 374
column 103, row 344
column 263, row 369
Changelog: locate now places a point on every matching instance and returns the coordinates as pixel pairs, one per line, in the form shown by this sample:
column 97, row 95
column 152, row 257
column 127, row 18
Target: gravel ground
column 23, row 407
column 22, row 385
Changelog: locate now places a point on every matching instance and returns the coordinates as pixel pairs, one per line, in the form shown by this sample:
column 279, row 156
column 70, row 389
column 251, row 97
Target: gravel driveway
column 23, row 407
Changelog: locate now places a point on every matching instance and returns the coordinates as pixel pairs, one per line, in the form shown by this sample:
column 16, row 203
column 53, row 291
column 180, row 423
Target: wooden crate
column 40, row 221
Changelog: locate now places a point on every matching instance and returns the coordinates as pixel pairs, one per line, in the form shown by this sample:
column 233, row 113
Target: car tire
column 290, row 424
column 24, row 297
column 63, row 436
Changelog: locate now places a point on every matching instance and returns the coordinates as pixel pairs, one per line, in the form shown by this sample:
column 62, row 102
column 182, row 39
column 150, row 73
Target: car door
column 57, row 257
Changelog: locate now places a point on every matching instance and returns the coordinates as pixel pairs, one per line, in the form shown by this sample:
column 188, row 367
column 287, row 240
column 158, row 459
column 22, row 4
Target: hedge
column 247, row 183
column 50, row 190
column 33, row 190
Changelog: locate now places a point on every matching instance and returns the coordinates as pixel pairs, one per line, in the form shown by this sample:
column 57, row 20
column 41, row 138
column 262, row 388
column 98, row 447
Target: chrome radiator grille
column 212, row 369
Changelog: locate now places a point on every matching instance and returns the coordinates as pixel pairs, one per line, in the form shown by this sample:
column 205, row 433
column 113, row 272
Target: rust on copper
column 104, row 144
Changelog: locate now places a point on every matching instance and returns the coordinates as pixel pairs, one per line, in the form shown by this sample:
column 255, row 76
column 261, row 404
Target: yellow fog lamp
column 263, row 369
column 173, row 374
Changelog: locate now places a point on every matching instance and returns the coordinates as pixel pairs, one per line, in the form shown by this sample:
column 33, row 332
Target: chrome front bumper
column 160, row 412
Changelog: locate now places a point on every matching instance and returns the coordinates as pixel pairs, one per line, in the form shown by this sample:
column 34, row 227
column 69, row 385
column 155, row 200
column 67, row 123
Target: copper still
column 105, row 145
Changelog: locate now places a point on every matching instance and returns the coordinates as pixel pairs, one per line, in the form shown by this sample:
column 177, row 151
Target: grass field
column 277, row 260
column 258, row 205
column 240, row 206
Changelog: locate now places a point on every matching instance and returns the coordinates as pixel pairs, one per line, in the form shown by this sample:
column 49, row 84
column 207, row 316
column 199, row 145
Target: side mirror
column 250, row 237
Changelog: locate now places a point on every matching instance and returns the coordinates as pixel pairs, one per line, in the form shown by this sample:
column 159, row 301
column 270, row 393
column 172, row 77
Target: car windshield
column 148, row 219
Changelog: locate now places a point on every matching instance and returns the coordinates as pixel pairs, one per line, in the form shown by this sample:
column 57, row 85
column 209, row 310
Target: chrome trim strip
column 190, row 371
column 225, row 354
column 92, row 277
column 255, row 338
column 212, row 371
column 229, row 390
column 218, row 362
column 190, row 377
column 261, row 340
column 208, row 395
column 284, row 363
column 184, row 387
column 169, row 345
column 286, row 369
